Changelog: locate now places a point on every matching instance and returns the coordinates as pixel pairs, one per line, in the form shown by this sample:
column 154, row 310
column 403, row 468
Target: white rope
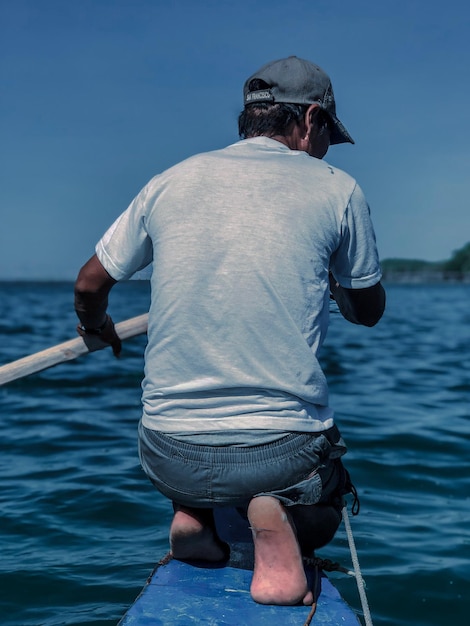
column 357, row 569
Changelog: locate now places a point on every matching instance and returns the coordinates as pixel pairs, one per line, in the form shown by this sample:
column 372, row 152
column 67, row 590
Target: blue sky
column 100, row 95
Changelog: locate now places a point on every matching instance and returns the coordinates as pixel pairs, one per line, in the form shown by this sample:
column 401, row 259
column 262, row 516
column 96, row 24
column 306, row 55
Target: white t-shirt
column 242, row 240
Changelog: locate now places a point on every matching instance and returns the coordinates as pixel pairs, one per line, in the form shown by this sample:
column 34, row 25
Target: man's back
column 242, row 240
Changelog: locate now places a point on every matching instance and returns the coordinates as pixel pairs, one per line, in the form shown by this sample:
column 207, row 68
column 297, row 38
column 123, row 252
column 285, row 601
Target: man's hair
column 266, row 118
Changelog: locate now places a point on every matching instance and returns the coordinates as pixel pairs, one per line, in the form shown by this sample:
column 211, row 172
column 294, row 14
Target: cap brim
column 339, row 133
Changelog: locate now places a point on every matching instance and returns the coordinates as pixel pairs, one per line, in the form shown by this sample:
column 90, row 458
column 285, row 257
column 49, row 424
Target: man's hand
column 106, row 333
column 109, row 335
column 92, row 287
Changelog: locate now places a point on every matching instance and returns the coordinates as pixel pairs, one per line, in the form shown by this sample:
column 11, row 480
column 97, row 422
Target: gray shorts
column 298, row 469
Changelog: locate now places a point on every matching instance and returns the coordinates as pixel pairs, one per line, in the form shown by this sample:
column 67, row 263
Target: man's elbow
column 371, row 319
column 377, row 312
column 85, row 285
column 369, row 305
column 92, row 279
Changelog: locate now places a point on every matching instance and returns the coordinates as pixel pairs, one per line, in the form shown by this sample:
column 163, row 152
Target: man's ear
column 311, row 117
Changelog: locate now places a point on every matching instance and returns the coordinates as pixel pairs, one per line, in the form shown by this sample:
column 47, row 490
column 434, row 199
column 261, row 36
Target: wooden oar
column 68, row 350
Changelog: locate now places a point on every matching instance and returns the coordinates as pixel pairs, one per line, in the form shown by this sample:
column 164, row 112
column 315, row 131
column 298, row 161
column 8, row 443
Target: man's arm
column 359, row 306
column 92, row 287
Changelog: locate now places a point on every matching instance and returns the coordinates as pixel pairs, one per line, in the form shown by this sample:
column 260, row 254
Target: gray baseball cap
column 297, row 81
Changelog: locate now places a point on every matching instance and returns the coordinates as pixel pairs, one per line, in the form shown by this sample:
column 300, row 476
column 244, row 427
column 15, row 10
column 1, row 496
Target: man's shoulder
column 195, row 160
column 336, row 172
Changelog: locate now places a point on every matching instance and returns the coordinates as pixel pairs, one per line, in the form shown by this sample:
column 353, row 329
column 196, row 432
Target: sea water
column 81, row 527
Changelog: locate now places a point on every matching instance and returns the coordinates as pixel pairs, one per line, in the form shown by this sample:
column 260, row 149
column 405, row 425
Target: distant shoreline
column 455, row 270
column 389, row 277
column 425, row 278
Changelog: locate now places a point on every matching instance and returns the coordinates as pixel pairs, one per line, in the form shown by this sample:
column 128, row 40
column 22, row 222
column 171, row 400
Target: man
column 248, row 244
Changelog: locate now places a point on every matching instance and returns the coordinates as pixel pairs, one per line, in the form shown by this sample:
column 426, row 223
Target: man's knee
column 316, row 525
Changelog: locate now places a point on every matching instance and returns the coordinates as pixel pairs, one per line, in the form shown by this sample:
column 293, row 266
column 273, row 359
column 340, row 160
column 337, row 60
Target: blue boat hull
column 180, row 594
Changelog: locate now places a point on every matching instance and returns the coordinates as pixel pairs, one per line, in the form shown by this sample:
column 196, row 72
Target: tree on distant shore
column 406, row 266
column 460, row 260
column 457, row 267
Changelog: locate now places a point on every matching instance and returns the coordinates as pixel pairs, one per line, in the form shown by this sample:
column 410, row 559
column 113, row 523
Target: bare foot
column 193, row 536
column 279, row 576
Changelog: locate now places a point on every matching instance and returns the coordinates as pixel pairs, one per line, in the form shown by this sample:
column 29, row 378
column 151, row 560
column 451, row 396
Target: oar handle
column 69, row 350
